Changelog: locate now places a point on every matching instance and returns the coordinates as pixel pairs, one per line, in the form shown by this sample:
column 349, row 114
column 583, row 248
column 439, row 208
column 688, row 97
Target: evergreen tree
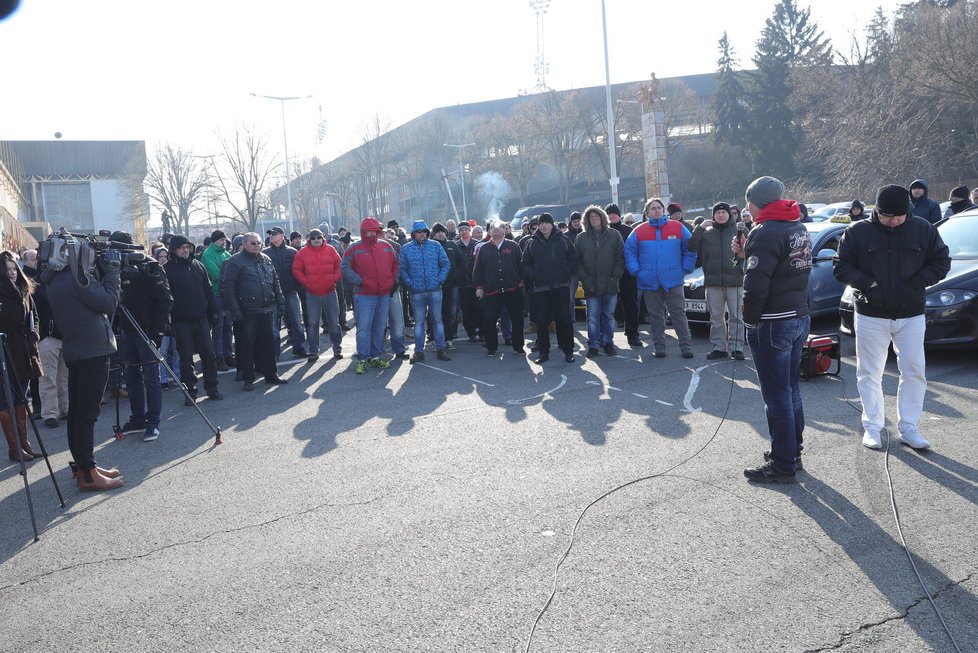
column 879, row 40
column 729, row 108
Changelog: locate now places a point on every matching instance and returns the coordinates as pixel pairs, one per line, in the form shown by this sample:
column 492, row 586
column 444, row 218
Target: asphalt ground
column 424, row 507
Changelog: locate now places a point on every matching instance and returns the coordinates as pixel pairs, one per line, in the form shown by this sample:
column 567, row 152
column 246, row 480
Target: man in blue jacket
column 924, row 206
column 424, row 268
column 657, row 254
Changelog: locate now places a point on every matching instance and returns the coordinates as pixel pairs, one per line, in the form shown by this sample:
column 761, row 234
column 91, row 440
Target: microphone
column 740, row 239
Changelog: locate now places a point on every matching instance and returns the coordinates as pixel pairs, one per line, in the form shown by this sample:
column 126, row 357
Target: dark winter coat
column 778, row 261
column 47, row 328
column 925, row 207
column 190, row 285
column 713, row 246
column 468, row 260
column 83, row 313
column 18, row 319
column 250, row 285
column 282, row 258
column 549, row 262
column 601, row 260
column 456, row 275
column 498, row 269
column 902, row 261
column 146, row 295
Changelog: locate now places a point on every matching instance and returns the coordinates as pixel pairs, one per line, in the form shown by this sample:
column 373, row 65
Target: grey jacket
column 83, row 315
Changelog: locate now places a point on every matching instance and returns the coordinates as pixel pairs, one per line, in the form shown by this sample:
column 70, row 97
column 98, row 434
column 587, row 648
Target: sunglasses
column 316, row 238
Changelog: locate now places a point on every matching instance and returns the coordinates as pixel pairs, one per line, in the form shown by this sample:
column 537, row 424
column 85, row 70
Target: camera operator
column 194, row 314
column 81, row 305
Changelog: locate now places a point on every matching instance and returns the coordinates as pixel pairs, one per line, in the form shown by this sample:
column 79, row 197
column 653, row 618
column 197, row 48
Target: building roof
column 75, row 159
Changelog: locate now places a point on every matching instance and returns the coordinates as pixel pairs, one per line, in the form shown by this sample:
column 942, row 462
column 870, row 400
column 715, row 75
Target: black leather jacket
column 250, row 285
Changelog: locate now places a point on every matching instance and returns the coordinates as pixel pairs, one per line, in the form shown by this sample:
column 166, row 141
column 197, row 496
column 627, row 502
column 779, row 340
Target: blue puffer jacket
column 657, row 254
column 424, row 266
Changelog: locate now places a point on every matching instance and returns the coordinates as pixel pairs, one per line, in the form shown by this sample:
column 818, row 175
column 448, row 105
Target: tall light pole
column 611, row 113
column 461, row 174
column 210, row 198
column 285, row 140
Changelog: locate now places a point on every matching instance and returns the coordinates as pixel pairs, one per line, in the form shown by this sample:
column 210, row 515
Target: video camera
column 86, row 252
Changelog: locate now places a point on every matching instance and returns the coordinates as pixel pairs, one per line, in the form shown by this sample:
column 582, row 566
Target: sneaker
column 520, row 351
column 191, row 400
column 635, row 343
column 911, row 437
column 129, row 428
column 417, row 358
column 51, row 422
column 249, row 386
column 737, row 355
column 871, row 439
column 449, row 345
column 299, row 353
column 659, row 353
column 769, row 472
column 337, row 355
column 592, row 352
column 345, row 327
column 214, row 395
column 715, row 354
column 361, row 367
column 380, row 363
column 689, row 354
column 610, row 349
column 221, row 365
column 231, row 361
column 151, row 434
column 798, row 465
column 443, row 355
column 312, row 358
column 275, row 380
column 402, row 355
column 473, row 339
column 569, row 357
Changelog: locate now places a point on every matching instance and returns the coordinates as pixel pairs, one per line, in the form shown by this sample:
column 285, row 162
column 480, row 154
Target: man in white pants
column 890, row 260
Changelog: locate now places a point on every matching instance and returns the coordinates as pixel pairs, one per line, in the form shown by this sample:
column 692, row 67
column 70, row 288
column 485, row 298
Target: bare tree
column 550, row 120
column 249, row 166
column 177, row 181
column 511, row 149
column 372, row 160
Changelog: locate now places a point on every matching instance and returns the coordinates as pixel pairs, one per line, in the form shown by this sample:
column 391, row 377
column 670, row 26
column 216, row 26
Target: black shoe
column 443, row 355
column 541, row 359
column 687, row 354
column 635, row 343
column 313, row 358
column 473, row 339
column 737, row 355
column 231, row 361
column 520, row 351
column 508, row 342
column 337, row 355
column 534, row 348
column 249, row 386
column 610, row 350
column 51, row 422
column 417, row 358
column 189, row 400
column 769, row 472
column 715, row 354
column 592, row 352
column 798, row 466
column 491, row 354
column 214, row 395
column 569, row 357
column 299, row 353
column 346, row 327
column 275, row 380
column 402, row 355
column 239, row 376
column 659, row 353
column 129, row 428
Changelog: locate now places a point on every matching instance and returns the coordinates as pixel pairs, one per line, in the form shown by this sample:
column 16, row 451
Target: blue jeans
column 315, row 305
column 371, row 316
column 431, row 302
column 169, row 351
column 776, row 347
column 221, row 333
column 395, row 318
column 600, row 320
column 142, row 374
column 293, row 315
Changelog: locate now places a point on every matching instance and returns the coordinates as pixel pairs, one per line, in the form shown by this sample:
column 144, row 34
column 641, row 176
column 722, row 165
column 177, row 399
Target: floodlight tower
column 540, row 64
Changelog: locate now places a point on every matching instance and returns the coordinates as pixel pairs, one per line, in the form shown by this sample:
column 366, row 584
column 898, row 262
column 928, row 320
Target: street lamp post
column 285, row 141
column 611, row 114
column 461, row 174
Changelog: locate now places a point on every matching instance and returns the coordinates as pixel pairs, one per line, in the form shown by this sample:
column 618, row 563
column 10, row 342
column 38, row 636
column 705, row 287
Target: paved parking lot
column 424, row 508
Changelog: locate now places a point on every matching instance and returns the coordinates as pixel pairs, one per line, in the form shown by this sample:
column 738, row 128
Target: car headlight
column 847, row 295
column 949, row 297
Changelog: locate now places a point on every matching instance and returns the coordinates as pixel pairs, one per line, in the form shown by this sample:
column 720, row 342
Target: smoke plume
column 494, row 191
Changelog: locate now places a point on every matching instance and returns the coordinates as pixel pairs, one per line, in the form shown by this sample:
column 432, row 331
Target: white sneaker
column 871, row 439
column 911, row 437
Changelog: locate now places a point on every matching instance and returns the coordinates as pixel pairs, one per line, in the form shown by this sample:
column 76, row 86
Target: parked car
column 560, row 212
column 829, row 211
column 824, row 290
column 951, row 305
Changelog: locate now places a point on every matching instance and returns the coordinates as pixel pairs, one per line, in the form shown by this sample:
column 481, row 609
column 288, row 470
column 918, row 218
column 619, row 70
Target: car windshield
column 961, row 236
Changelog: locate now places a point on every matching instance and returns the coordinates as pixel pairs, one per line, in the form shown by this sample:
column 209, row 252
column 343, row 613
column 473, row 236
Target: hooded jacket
column 778, row 263
column 318, row 269
column 424, row 265
column 925, row 207
column 713, row 246
column 601, row 259
column 18, row 319
column 83, row 313
column 371, row 267
column 657, row 254
column 901, row 261
column 190, row 285
column 213, row 259
column 147, row 296
column 549, row 262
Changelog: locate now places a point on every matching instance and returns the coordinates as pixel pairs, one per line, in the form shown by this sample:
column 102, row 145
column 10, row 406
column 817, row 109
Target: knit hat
column 612, row 208
column 438, row 228
column 561, row 225
column 207, row 241
column 419, row 225
column 545, row 217
column 893, row 200
column 764, row 190
column 576, row 215
column 959, row 193
column 294, row 235
column 392, row 224
column 721, row 206
column 236, row 241
column 216, row 235
column 673, row 208
column 314, row 233
column 464, row 225
column 178, row 241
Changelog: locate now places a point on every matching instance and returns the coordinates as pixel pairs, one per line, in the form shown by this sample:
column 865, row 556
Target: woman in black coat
column 18, row 320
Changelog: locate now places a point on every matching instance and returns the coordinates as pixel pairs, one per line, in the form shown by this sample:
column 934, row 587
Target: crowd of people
column 227, row 300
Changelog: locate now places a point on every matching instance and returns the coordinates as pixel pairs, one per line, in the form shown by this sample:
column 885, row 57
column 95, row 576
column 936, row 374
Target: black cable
column 899, row 526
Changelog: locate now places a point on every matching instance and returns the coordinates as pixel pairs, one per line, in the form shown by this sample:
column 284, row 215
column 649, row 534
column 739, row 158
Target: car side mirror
column 825, row 255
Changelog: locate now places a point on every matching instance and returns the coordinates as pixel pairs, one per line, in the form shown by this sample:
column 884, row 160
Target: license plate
column 695, row 306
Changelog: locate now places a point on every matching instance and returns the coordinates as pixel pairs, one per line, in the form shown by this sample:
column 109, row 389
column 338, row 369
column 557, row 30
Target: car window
column 961, row 236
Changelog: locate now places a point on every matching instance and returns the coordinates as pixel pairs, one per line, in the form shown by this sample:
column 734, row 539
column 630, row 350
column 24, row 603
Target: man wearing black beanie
column 890, row 260
column 627, row 309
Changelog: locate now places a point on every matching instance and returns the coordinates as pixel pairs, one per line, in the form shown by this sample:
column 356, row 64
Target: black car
column 951, row 305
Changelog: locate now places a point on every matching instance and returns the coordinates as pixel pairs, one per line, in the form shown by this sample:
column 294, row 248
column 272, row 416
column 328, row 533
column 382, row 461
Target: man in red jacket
column 317, row 269
column 371, row 267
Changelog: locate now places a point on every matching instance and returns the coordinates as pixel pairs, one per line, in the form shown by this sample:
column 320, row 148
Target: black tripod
column 8, row 396
column 160, row 359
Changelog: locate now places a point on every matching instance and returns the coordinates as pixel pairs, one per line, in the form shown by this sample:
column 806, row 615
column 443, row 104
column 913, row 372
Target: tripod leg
column 44, row 452
column 9, row 398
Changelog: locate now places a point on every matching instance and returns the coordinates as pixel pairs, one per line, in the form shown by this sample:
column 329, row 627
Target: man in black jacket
column 466, row 292
column 497, row 276
column 923, row 206
column 890, row 260
column 250, row 293
column 627, row 285
column 282, row 256
column 778, row 262
column 146, row 295
column 549, row 264
column 450, row 289
column 194, row 313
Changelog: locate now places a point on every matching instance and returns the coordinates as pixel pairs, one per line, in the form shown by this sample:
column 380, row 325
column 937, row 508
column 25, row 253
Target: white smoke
column 494, row 191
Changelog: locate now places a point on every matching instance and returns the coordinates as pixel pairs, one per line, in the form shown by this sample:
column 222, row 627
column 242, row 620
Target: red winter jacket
column 317, row 269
